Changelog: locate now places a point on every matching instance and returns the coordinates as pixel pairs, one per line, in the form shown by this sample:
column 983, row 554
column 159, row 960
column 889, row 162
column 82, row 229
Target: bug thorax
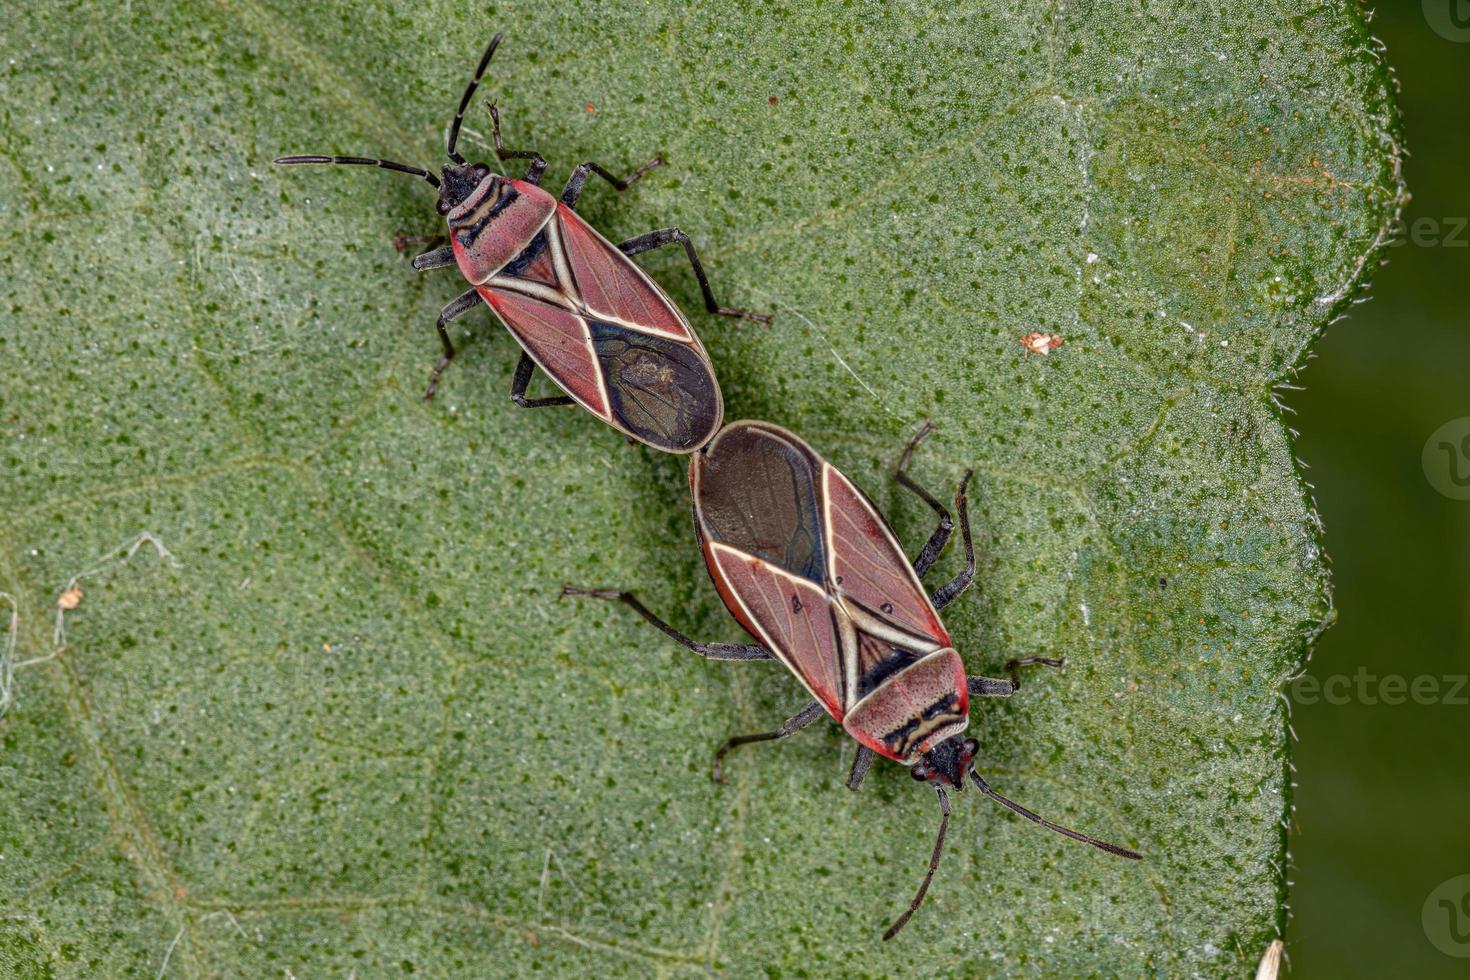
column 458, row 182
column 947, row 763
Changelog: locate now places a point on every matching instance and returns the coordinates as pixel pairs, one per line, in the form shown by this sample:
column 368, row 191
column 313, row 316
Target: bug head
column 458, row 182
column 947, row 763
column 461, row 179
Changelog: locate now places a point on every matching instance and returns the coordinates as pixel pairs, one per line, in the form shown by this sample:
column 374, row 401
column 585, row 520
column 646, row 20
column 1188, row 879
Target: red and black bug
column 806, row 563
column 593, row 321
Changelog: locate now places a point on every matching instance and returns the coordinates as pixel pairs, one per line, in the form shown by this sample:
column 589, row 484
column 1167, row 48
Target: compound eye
column 919, row 772
column 971, row 746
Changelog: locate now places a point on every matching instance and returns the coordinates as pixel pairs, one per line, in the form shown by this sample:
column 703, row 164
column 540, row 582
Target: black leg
column 523, row 378
column 947, row 592
column 989, row 687
column 458, row 306
column 434, row 259
column 794, row 724
column 861, row 763
column 941, row 534
column 667, row 236
column 711, row 651
column 538, row 166
column 573, row 190
column 908, row 914
column 403, row 240
column 1013, row 667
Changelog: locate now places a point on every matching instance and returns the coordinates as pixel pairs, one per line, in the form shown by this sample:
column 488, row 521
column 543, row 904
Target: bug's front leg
column 667, row 236
column 991, row 688
column 436, row 258
column 1013, row 667
column 538, row 165
column 794, row 724
column 403, row 240
column 861, row 763
column 458, row 306
column 573, row 190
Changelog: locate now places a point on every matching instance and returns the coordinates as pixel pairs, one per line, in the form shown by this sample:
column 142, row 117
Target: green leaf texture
column 330, row 717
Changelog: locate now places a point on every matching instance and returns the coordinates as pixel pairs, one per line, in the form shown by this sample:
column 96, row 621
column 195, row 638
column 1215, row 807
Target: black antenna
column 469, row 92
column 1101, row 845
column 402, row 168
column 903, row 920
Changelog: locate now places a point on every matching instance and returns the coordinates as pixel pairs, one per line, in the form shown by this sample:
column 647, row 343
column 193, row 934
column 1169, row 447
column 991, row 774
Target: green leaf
column 332, row 717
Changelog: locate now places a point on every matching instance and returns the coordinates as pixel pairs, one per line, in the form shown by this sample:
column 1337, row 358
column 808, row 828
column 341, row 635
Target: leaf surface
column 339, row 720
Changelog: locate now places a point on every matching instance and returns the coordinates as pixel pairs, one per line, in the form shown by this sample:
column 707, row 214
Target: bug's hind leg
column 523, row 378
column 710, row 651
column 458, row 306
column 950, row 590
column 930, row 552
column 794, row 724
column 667, row 236
column 538, row 165
column 436, row 258
column 946, row 593
column 573, row 190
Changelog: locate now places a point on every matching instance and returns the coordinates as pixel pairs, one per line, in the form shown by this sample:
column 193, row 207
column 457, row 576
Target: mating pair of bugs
column 801, row 557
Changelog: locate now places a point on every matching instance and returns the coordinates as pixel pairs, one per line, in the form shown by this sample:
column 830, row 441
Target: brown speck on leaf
column 772, row 100
column 327, row 647
column 69, row 599
column 591, row 107
column 532, row 939
column 1037, row 342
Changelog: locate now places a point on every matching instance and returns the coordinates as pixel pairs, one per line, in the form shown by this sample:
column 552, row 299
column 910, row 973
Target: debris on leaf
column 69, row 599
column 1270, row 966
column 1037, row 342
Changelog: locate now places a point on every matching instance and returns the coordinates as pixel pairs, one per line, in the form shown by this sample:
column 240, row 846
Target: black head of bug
column 947, row 763
column 458, row 182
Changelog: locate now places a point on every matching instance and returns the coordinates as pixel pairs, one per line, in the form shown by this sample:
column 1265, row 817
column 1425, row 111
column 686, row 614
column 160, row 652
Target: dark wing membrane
column 867, row 565
column 662, row 392
column 612, row 286
column 792, row 616
column 559, row 343
column 756, row 492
